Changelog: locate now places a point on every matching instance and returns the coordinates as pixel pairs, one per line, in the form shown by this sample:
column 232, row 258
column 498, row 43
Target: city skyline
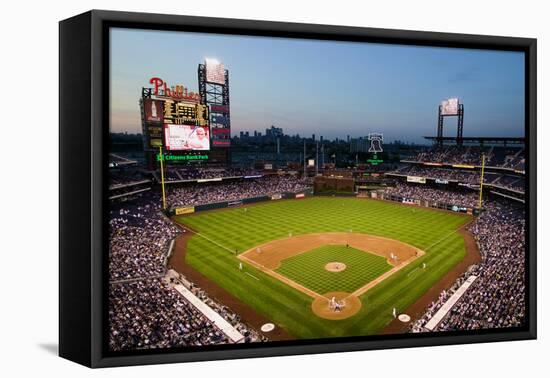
column 326, row 88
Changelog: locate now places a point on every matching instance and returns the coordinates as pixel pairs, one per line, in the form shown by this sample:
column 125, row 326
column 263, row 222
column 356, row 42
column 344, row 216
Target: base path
column 268, row 256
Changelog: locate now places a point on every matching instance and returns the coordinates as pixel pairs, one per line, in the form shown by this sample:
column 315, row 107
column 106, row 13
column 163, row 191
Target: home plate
column 404, row 318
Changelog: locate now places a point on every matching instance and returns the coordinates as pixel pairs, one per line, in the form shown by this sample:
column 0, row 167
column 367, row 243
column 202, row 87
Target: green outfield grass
column 308, row 269
column 222, row 232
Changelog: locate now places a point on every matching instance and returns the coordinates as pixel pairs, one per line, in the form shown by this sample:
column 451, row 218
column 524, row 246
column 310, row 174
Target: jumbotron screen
column 215, row 71
column 449, row 106
column 186, row 138
column 277, row 189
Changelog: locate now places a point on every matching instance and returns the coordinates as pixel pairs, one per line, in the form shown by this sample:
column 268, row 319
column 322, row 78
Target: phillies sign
column 178, row 92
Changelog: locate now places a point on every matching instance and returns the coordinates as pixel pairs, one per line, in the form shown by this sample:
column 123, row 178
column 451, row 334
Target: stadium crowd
column 497, row 298
column 423, row 193
column 144, row 310
column 465, row 177
column 138, row 239
column 195, row 173
column 185, row 174
column 125, row 177
column 149, row 314
column 509, row 182
column 471, row 155
column 454, row 155
column 228, row 191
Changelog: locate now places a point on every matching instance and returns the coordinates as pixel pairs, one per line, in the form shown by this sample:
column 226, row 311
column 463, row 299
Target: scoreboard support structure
column 214, row 93
column 460, row 124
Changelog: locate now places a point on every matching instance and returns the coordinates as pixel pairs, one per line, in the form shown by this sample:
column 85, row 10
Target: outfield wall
column 425, row 203
column 182, row 210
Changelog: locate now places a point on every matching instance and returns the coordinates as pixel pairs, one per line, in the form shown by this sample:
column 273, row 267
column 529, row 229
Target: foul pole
column 305, row 174
column 481, row 180
column 316, row 158
column 161, row 158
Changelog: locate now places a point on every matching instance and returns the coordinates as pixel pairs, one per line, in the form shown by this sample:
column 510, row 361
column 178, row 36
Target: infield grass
column 224, row 231
column 308, row 268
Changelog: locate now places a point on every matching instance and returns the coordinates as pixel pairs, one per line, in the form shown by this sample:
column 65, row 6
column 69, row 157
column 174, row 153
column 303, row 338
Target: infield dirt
column 270, row 254
column 268, row 257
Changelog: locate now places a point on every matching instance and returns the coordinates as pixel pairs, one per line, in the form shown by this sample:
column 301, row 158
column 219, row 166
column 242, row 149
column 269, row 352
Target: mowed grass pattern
column 308, row 268
column 236, row 229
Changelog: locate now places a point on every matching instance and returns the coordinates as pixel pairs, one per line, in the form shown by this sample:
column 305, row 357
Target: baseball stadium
column 219, row 234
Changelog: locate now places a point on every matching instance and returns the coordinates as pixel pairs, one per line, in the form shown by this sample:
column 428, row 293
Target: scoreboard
column 174, row 118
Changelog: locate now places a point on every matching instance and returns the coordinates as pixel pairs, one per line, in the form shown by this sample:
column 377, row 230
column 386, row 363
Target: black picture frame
column 83, row 143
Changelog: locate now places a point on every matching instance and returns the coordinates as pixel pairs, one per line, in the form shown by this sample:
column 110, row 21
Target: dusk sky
column 325, row 87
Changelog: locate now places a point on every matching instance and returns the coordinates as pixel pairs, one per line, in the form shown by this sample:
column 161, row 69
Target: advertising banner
column 463, row 166
column 153, row 110
column 234, row 203
column 441, row 181
column 219, row 108
column 210, row 179
column 154, row 133
column 300, row 195
column 221, row 137
column 416, row 179
column 185, row 210
column 256, row 199
column 224, row 132
column 219, row 119
column 276, row 196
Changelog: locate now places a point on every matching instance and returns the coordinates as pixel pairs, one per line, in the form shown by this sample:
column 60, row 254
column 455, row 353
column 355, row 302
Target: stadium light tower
column 213, row 80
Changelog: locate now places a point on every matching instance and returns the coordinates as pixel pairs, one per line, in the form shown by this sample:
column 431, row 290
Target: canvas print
column 266, row 190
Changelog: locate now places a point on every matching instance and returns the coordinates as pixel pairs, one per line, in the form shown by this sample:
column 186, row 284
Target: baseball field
column 292, row 260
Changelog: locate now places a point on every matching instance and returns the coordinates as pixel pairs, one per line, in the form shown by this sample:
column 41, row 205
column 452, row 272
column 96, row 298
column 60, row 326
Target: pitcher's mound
column 335, row 267
column 336, row 305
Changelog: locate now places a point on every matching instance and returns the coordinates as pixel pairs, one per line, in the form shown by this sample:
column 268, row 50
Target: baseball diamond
column 285, row 245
